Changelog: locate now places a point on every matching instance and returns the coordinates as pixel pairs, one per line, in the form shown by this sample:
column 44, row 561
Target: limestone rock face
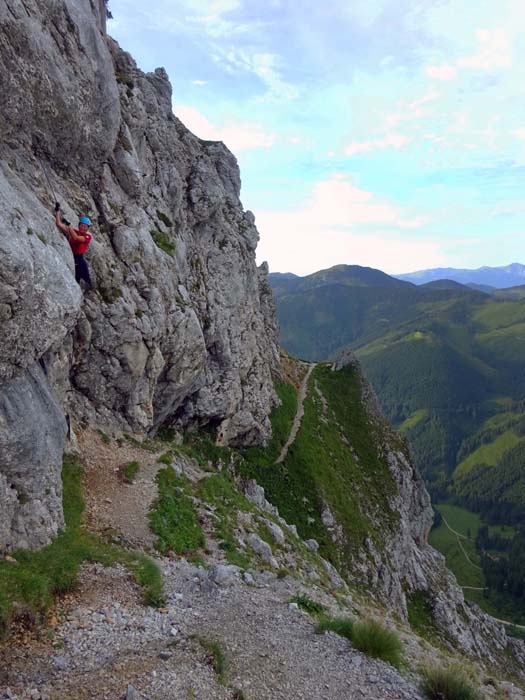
column 180, row 327
column 407, row 565
column 32, row 436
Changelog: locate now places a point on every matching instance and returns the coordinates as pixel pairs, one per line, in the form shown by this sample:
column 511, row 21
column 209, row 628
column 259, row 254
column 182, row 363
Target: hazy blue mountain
column 499, row 277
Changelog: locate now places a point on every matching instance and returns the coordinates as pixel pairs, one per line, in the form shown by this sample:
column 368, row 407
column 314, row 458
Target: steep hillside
column 179, row 327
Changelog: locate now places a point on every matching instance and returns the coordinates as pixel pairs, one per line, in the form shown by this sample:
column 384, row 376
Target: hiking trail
column 299, row 414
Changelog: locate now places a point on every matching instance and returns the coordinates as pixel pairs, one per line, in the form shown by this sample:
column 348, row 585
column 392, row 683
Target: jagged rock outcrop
column 407, row 566
column 181, row 326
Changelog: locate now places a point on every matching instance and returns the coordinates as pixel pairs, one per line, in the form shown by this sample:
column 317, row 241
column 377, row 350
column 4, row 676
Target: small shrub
column 162, row 241
column 125, row 79
column 166, row 459
column 342, row 626
column 307, row 604
column 449, row 683
column 105, row 438
column 129, row 471
column 42, row 238
column 420, row 612
column 110, row 294
column 217, row 658
column 371, row 638
column 165, row 220
column 30, row 231
column 166, row 434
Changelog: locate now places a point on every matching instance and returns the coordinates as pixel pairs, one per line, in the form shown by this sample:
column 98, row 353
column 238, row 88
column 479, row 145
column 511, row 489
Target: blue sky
column 386, row 133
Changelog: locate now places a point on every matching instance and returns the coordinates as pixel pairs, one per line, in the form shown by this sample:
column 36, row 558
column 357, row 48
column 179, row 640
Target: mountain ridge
column 500, row 277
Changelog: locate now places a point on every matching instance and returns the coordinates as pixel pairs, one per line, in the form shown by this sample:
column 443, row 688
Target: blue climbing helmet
column 84, row 220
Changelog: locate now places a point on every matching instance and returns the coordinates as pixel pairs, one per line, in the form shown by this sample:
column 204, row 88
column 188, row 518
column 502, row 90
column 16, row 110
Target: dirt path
column 112, row 504
column 105, row 641
column 298, row 416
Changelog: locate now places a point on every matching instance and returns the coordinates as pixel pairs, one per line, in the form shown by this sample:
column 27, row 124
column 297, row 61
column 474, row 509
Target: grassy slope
column 490, row 453
column 322, row 468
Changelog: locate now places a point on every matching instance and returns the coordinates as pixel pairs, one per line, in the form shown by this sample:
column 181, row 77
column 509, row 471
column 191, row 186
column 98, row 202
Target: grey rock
column 132, row 693
column 312, row 545
column 275, row 531
column 60, row 662
column 260, row 547
column 248, row 578
column 32, row 437
column 224, row 574
column 256, row 495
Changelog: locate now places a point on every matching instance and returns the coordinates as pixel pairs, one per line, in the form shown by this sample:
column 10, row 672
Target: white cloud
column 200, row 83
column 266, row 66
column 519, row 134
column 495, row 51
column 445, row 72
column 393, row 140
column 342, row 223
column 238, row 136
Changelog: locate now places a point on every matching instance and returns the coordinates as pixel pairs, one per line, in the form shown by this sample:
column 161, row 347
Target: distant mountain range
column 499, row 277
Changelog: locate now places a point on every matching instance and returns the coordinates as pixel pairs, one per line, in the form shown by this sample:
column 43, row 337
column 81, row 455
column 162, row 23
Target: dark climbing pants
column 81, row 270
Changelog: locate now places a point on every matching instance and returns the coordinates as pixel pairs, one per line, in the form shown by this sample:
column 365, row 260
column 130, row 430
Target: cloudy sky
column 387, row 133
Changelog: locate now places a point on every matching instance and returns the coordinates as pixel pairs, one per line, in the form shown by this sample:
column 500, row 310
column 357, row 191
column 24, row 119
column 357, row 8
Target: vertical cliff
column 179, row 328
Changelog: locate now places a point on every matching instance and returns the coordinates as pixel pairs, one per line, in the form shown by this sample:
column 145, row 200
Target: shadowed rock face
column 181, row 327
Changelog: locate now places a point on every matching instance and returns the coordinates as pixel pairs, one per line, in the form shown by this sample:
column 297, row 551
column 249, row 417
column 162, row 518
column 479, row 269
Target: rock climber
column 79, row 240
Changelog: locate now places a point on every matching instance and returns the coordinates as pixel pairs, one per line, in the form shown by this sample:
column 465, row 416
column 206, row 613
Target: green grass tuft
column 163, row 241
column 420, row 615
column 217, row 657
column 219, row 492
column 307, row 604
column 372, row 639
column 165, row 219
column 447, row 684
column 104, row 437
column 342, row 626
column 368, row 636
column 173, row 516
column 129, row 471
